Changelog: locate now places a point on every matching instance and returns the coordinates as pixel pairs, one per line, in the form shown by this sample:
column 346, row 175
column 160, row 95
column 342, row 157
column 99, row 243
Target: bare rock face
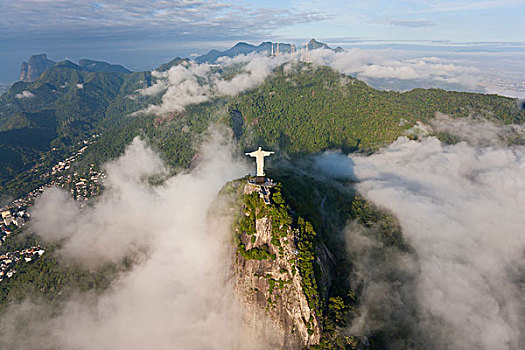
column 23, row 71
column 32, row 70
column 268, row 279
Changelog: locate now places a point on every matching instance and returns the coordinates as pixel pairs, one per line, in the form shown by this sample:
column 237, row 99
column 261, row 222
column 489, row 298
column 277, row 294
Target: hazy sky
column 144, row 34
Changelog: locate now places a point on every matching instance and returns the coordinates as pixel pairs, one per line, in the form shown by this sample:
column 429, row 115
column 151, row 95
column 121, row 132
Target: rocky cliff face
column 274, row 275
column 32, row 70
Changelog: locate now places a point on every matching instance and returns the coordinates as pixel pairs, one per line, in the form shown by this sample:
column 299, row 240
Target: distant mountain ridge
column 37, row 64
column 245, row 48
column 101, row 66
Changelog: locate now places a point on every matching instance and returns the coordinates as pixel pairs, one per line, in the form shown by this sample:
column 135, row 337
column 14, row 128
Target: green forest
column 319, row 109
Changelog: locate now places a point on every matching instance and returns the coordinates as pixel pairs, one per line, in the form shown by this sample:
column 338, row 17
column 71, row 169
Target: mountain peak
column 242, row 43
column 33, row 69
column 314, row 44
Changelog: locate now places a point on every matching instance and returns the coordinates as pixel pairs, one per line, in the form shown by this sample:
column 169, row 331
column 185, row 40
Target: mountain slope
column 274, row 283
column 308, row 110
column 300, row 113
column 316, row 109
column 65, row 105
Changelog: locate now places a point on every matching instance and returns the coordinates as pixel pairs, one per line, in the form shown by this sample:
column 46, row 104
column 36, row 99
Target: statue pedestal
column 260, row 180
column 261, row 185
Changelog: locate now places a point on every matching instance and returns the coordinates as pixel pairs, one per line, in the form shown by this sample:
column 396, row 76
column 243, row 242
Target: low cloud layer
column 479, row 132
column 124, row 212
column 461, row 207
column 24, row 94
column 177, row 295
column 381, row 69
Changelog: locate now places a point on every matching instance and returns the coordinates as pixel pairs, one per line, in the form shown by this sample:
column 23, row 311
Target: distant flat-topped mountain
column 37, row 64
column 245, row 48
column 33, row 69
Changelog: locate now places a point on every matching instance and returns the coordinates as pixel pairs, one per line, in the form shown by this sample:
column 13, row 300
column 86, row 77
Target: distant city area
column 505, row 87
column 16, row 213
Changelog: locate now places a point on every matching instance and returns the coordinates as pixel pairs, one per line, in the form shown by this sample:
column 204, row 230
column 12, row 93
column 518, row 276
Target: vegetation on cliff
column 331, row 207
column 282, row 221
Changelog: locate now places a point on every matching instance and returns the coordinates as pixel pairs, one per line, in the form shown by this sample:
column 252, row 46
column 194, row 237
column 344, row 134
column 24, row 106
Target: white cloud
column 380, row 64
column 461, row 208
column 254, row 74
column 469, row 5
column 192, row 83
column 80, row 86
column 177, row 295
column 413, row 23
column 181, row 87
column 187, row 19
column 479, row 132
column 126, row 183
column 24, row 94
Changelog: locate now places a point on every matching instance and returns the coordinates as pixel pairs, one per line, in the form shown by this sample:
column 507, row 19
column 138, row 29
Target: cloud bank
column 461, row 208
column 191, row 83
column 373, row 65
column 24, row 94
column 177, row 295
column 479, row 132
column 183, row 18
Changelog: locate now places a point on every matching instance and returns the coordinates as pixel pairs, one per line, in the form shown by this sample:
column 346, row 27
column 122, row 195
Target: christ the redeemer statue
column 259, row 156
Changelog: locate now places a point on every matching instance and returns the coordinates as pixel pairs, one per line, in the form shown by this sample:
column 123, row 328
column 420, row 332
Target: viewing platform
column 262, row 187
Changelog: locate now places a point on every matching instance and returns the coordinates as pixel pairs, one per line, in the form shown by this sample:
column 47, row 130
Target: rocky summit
column 33, row 69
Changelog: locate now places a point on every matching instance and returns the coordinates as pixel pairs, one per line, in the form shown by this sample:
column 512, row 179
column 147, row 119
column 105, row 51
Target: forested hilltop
column 318, row 109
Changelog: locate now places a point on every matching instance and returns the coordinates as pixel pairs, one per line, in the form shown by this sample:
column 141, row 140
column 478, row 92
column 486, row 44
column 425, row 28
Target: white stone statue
column 259, row 156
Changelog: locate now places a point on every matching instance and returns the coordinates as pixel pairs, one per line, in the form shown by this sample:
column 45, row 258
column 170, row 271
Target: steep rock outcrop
column 32, row 70
column 274, row 275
